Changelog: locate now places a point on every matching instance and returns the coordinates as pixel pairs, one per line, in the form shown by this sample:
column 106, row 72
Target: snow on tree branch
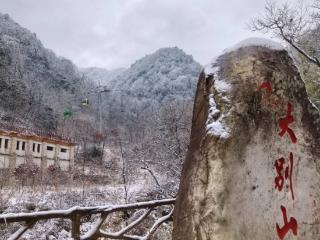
column 121, row 234
column 289, row 24
column 21, row 231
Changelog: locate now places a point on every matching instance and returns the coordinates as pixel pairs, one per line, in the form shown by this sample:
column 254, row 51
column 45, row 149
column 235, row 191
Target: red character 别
column 291, row 225
column 279, row 179
column 284, row 124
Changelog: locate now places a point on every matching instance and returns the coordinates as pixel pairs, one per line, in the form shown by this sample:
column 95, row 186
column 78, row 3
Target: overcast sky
column 115, row 33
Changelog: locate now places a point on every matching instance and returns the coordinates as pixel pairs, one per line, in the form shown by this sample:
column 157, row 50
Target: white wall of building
column 64, row 165
column 37, row 161
column 42, row 154
column 4, row 162
column 20, row 160
column 50, row 162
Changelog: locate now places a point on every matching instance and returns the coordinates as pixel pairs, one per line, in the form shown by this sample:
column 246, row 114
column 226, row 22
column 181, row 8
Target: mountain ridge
column 37, row 85
column 35, row 82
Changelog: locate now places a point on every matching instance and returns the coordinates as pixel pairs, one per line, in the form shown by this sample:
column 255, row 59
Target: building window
column 18, row 145
column 6, row 143
column 49, row 148
column 0, row 142
column 63, row 150
column 33, row 147
column 23, row 146
column 38, row 148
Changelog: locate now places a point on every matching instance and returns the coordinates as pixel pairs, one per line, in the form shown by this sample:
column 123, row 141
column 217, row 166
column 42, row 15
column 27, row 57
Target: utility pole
column 100, row 112
column 100, row 90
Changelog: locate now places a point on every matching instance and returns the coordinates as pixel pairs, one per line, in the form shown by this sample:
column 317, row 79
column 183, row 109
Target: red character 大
column 291, row 225
column 284, row 124
column 279, row 179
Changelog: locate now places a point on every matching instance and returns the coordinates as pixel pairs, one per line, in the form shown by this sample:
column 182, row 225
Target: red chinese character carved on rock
column 266, row 86
column 284, row 124
column 291, row 225
column 272, row 100
column 279, row 179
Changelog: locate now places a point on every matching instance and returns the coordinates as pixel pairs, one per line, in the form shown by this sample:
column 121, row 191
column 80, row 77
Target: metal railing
column 75, row 214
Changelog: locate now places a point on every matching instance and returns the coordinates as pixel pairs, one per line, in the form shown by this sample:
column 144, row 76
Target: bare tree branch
column 121, row 233
column 158, row 223
column 313, row 60
column 146, row 167
column 22, row 230
column 94, row 232
column 289, row 24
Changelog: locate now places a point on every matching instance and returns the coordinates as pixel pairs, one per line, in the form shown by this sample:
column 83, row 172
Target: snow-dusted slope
column 102, row 76
column 169, row 72
column 35, row 84
column 166, row 75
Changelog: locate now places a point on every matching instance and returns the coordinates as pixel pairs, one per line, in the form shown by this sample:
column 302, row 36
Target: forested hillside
column 35, row 84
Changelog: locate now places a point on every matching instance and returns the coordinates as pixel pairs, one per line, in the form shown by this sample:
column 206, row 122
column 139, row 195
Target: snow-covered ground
column 82, row 192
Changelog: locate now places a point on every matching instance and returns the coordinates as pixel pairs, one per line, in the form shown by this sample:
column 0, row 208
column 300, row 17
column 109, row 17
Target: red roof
column 35, row 135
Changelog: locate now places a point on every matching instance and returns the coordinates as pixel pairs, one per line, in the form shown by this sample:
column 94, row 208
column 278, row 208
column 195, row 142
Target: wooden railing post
column 76, row 221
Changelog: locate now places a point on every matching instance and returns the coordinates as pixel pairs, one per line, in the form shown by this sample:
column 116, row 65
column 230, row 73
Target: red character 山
column 292, row 225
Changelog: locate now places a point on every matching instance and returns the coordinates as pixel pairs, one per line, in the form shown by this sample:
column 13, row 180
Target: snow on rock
column 210, row 68
column 215, row 126
column 219, row 84
column 213, row 106
column 217, row 129
column 259, row 42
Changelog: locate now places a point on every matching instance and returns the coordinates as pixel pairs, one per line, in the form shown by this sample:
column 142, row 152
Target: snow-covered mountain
column 102, row 76
column 167, row 75
column 169, row 72
column 35, row 84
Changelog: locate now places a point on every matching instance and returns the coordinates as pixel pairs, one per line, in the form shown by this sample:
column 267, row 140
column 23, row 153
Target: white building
column 17, row 148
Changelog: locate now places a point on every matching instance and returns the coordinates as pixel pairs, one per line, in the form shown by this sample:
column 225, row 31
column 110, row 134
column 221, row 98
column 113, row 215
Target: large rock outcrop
column 254, row 151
